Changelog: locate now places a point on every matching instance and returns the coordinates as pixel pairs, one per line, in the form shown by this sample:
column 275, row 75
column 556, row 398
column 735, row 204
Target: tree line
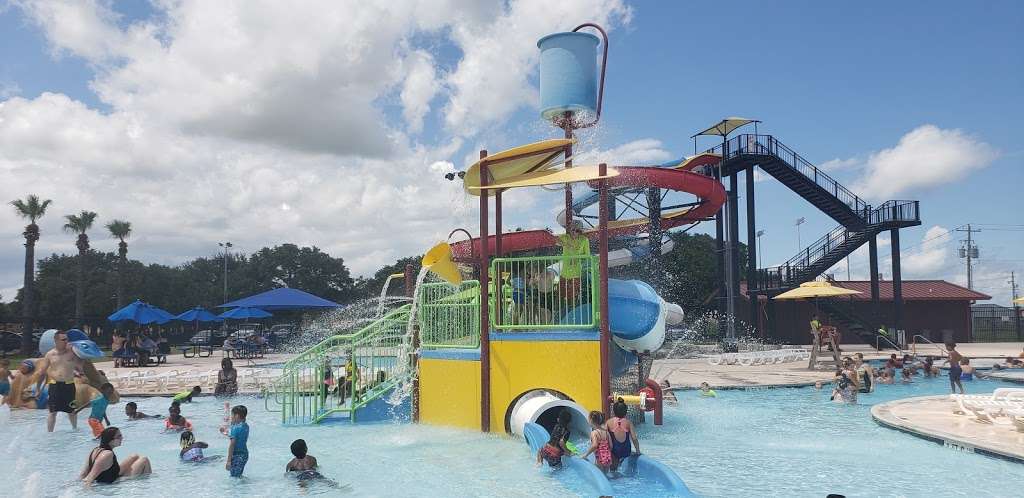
column 83, row 289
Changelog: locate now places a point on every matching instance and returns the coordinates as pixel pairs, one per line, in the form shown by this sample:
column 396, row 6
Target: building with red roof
column 935, row 309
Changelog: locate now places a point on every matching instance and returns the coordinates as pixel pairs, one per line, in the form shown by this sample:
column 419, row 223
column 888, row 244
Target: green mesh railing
column 449, row 316
column 534, row 297
column 365, row 365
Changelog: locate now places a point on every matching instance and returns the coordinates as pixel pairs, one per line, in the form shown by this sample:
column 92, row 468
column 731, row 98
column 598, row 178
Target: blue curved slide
column 669, row 481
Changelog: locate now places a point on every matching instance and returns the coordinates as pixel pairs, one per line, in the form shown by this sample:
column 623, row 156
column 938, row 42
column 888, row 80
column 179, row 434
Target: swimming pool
column 777, row 442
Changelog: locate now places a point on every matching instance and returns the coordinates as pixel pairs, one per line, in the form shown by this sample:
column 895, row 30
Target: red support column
column 567, row 124
column 603, row 267
column 659, row 400
column 410, row 281
column 485, row 339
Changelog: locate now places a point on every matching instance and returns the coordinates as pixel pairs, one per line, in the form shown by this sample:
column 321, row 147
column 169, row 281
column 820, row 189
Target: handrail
column 886, row 339
column 767, row 145
column 913, row 344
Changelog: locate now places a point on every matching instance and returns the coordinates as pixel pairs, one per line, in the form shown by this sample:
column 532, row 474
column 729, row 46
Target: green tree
column 370, row 287
column 31, row 209
column 80, row 224
column 305, row 268
column 121, row 230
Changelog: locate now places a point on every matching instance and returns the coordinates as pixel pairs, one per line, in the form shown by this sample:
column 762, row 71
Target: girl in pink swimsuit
column 600, row 442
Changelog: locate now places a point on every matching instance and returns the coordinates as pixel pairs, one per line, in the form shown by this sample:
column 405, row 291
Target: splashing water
column 406, row 373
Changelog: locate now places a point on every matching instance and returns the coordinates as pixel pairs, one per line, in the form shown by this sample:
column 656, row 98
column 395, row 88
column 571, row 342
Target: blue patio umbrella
column 141, row 313
column 244, row 313
column 198, row 314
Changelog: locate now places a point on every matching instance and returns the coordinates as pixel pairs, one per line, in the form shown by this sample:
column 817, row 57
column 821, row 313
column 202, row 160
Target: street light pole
column 799, row 221
column 758, row 248
column 226, row 246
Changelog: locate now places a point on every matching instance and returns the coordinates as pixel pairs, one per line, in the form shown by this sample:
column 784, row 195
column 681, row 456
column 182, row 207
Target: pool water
column 770, row 442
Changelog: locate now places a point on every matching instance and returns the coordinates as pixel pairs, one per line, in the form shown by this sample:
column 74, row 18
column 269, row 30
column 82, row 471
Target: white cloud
column 419, row 88
column 642, row 152
column 492, row 78
column 932, row 257
column 262, row 123
column 837, row 164
column 926, row 157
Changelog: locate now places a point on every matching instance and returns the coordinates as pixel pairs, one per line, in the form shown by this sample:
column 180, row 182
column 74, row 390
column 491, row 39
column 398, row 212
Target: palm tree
column 80, row 223
column 31, row 209
column 120, row 229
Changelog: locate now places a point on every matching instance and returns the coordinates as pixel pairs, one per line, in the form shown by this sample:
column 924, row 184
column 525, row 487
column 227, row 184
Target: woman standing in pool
column 954, row 367
column 101, row 465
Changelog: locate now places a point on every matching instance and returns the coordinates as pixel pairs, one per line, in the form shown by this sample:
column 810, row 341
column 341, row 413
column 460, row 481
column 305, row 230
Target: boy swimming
column 706, row 391
column 186, row 396
column 132, row 411
column 304, row 464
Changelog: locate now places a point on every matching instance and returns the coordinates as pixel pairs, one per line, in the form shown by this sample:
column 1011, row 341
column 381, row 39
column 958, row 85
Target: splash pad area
column 451, row 389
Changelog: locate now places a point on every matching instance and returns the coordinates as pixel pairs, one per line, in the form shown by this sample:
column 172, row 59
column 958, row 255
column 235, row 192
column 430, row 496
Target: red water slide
column 710, row 192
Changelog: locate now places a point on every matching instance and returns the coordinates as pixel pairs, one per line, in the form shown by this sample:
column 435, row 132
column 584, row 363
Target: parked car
column 209, row 337
column 10, row 342
column 283, row 330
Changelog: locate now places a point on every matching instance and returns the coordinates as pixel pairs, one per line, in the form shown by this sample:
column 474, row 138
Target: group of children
column 611, row 441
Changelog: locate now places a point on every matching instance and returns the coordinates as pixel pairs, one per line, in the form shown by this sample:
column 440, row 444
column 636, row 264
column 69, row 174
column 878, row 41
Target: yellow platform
column 516, row 161
column 551, row 177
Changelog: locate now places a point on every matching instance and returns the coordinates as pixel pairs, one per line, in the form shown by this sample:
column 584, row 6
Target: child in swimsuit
column 5, row 379
column 622, row 434
column 600, row 442
column 303, row 466
column 174, row 420
column 556, row 445
column 98, row 409
column 186, row 396
column 192, row 450
column 132, row 411
column 706, row 391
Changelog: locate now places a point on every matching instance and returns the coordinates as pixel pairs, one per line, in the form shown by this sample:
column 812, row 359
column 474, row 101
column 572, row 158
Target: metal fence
column 996, row 324
column 449, row 316
column 545, row 293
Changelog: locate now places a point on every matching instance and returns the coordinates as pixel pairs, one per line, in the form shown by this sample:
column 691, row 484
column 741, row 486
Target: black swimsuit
column 112, row 473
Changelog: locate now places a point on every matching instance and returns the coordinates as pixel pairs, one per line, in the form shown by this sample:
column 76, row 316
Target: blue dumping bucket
column 568, row 74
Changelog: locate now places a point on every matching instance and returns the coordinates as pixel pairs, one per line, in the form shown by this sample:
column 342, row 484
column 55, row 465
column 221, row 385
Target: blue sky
column 839, row 83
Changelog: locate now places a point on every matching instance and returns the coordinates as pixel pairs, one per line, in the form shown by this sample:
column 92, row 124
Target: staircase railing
column 913, row 344
column 749, row 144
column 895, row 212
column 300, row 393
column 795, row 268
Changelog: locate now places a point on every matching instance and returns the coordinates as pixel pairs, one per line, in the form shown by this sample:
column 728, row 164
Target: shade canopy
column 141, row 313
column 244, row 313
column 815, row 289
column 282, row 299
column 726, row 126
column 1019, row 300
column 197, row 314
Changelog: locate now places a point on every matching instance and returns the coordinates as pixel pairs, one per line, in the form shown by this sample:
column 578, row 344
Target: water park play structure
column 503, row 331
column 512, row 334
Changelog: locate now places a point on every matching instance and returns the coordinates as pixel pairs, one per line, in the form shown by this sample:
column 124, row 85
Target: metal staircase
column 858, row 221
column 842, row 312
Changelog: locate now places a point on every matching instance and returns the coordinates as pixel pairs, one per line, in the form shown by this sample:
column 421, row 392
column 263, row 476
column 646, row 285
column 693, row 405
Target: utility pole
column 1016, row 307
column 970, row 253
column 227, row 246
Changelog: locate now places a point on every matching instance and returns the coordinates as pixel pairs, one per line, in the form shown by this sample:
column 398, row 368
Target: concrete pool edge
column 883, row 415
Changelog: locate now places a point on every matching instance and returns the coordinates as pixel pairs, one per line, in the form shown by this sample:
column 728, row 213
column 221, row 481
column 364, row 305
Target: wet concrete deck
column 932, row 418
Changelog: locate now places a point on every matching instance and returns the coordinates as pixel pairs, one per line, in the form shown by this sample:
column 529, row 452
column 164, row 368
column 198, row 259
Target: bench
column 196, row 350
